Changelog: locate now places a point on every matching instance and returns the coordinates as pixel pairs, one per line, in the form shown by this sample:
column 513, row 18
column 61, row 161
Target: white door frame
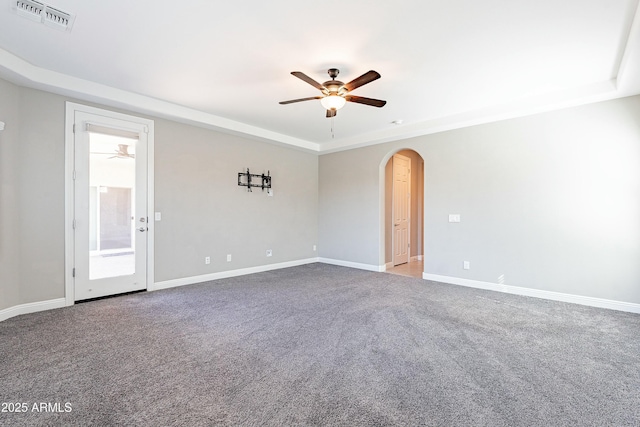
column 71, row 109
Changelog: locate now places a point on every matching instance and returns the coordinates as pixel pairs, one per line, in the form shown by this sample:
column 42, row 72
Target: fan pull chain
column 333, row 136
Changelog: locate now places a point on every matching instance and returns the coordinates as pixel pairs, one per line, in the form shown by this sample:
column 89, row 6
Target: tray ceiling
column 226, row 65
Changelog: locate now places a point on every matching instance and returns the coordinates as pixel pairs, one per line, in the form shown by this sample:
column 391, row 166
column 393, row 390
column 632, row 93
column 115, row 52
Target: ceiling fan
column 335, row 93
column 123, row 153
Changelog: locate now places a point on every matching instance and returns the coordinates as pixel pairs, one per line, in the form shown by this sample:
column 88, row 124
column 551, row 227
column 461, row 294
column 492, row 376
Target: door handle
column 142, row 229
column 396, row 225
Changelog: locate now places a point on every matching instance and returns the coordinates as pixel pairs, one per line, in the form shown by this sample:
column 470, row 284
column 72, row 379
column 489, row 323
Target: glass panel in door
column 112, row 172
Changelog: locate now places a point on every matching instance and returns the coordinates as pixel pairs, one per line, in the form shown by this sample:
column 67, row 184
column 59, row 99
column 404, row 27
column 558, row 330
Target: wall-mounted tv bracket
column 246, row 180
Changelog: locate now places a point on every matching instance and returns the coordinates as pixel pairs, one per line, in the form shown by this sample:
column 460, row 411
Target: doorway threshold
column 410, row 269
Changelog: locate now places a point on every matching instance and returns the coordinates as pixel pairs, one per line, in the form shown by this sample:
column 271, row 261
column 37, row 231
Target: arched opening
column 404, row 213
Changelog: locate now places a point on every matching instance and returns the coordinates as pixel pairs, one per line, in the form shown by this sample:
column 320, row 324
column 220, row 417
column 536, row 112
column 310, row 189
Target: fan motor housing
column 333, row 86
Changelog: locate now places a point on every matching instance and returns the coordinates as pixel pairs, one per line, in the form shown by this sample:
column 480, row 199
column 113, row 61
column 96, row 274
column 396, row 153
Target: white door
column 110, row 206
column 401, row 208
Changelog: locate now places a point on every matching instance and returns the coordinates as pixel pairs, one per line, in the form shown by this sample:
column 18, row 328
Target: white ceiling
column 226, row 65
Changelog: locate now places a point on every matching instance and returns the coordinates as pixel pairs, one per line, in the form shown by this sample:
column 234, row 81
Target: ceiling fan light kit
column 335, row 94
column 333, row 102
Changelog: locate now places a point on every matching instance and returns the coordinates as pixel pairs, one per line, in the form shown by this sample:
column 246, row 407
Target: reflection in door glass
column 111, row 207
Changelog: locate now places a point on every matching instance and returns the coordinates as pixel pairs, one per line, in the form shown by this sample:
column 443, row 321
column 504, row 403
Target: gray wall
column 204, row 212
column 550, row 201
column 349, row 206
column 32, row 196
column 9, row 224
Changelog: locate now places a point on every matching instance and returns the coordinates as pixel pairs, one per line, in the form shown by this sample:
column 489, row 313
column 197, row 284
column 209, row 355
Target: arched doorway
column 404, row 213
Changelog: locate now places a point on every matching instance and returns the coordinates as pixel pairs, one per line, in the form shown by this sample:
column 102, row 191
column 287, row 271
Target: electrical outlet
column 466, row 265
column 228, row 257
column 269, row 253
column 207, row 260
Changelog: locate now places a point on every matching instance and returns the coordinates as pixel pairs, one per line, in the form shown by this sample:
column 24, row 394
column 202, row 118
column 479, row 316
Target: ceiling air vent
column 57, row 19
column 41, row 12
column 29, row 9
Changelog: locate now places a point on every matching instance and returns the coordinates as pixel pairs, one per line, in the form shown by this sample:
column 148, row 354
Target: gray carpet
column 323, row 345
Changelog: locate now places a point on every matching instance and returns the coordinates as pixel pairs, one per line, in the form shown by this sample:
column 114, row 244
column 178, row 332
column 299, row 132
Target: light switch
column 454, row 217
column 158, row 216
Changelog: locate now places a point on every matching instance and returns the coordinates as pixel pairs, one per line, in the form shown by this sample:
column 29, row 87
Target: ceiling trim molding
column 23, row 73
column 597, row 92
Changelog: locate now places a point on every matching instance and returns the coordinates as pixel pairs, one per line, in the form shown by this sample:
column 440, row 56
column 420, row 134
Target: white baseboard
column 226, row 274
column 537, row 293
column 416, row 258
column 31, row 307
column 368, row 267
column 388, row 265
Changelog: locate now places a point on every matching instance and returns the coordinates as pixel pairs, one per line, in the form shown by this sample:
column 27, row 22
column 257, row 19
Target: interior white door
column 110, row 206
column 401, row 208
